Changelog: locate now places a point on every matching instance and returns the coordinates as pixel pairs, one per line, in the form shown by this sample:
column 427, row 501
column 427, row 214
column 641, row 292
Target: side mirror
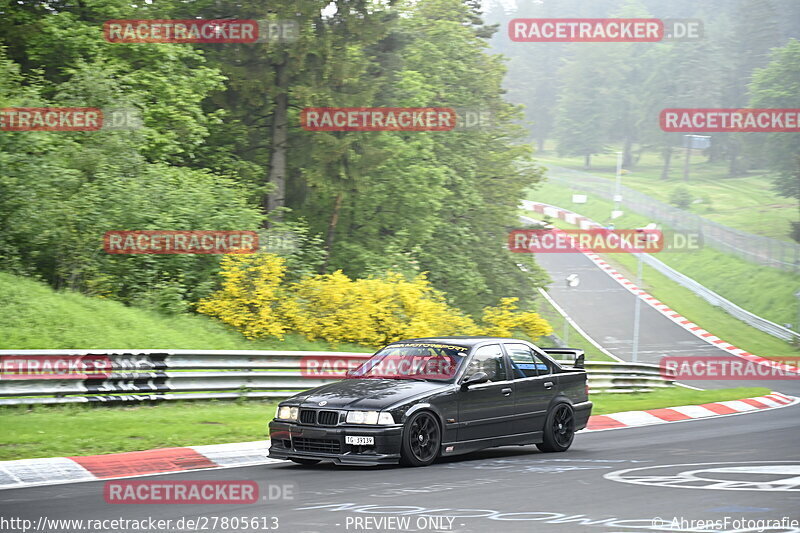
column 474, row 379
column 579, row 361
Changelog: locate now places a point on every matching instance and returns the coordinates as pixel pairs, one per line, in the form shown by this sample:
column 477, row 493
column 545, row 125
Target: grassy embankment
column 34, row 316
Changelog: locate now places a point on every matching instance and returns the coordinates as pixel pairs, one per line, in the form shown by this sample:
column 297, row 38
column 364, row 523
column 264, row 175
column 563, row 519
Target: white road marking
column 767, row 476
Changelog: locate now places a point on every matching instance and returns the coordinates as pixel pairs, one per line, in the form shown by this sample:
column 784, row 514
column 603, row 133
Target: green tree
column 778, row 86
column 61, row 191
column 584, row 107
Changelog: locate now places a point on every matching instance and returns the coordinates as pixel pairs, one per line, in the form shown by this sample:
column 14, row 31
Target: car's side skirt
column 467, row 446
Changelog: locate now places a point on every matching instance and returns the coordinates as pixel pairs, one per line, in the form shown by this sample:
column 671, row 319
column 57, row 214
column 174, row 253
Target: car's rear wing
column 575, row 355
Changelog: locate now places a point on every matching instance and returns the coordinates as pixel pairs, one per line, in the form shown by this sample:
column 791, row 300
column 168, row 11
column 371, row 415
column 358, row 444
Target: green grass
column 58, row 431
column 747, row 203
column 765, row 291
column 34, row 316
column 615, row 403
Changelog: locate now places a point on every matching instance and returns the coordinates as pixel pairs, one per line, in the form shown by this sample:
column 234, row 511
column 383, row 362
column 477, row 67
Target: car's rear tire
column 559, row 429
column 306, row 462
column 421, row 440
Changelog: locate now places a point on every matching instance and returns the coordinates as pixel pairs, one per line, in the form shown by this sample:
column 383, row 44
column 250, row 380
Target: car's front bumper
column 292, row 440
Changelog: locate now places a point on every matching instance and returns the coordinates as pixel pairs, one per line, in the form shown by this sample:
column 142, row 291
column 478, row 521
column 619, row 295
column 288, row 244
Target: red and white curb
column 585, row 223
column 60, row 470
column 629, row 419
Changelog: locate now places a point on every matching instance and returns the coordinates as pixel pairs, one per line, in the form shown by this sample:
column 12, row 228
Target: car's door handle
column 548, row 384
column 506, row 391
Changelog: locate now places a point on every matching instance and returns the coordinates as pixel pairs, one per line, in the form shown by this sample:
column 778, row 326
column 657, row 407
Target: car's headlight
column 385, row 418
column 369, row 417
column 287, row 413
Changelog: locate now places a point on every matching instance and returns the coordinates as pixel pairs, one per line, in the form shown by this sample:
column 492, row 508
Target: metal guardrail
column 718, row 301
column 703, row 292
column 754, row 248
column 161, row 375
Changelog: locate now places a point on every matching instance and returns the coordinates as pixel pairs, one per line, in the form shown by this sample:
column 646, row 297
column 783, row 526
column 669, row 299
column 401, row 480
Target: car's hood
column 371, row 394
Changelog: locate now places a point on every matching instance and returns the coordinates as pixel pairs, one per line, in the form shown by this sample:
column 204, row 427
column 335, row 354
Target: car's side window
column 488, row 359
column 542, row 364
column 525, row 362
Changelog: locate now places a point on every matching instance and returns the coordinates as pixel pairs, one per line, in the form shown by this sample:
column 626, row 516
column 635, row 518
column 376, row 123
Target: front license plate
column 359, row 441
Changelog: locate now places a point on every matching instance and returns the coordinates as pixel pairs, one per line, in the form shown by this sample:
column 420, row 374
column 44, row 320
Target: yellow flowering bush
column 250, row 295
column 332, row 307
column 504, row 320
column 372, row 311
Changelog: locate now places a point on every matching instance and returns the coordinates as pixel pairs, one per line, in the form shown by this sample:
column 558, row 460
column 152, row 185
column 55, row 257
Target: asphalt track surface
column 746, row 467
column 505, row 489
column 605, row 310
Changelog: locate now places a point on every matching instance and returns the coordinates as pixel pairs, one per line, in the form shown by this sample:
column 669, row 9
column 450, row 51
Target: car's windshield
column 428, row 361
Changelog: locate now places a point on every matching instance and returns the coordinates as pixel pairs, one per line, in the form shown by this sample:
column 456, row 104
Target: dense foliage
column 256, row 299
column 221, row 148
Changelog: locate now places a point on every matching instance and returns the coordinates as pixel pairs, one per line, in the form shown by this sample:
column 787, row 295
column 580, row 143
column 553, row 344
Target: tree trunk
column 587, row 162
column 733, row 163
column 667, row 155
column 627, row 155
column 280, row 133
column 687, row 158
column 331, row 235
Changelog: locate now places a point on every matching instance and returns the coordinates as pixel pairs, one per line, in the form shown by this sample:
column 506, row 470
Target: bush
column 374, row 311
column 681, row 197
column 250, row 296
column 504, row 320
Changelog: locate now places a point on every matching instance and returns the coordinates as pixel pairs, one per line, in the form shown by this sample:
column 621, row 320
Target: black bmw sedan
column 419, row 399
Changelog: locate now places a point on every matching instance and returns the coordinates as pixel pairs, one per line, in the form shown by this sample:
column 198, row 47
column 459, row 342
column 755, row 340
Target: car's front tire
column 306, row 462
column 559, row 429
column 421, row 440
